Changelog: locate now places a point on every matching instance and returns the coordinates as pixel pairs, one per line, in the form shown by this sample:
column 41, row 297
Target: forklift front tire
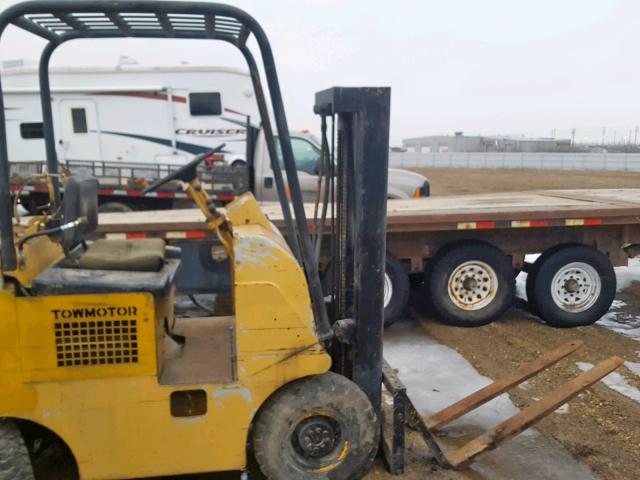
column 317, row 428
column 15, row 462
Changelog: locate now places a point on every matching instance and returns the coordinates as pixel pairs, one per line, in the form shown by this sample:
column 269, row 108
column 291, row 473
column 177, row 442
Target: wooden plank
column 530, row 415
column 491, row 391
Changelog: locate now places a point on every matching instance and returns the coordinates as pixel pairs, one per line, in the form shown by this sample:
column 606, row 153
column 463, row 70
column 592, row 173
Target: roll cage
column 64, row 20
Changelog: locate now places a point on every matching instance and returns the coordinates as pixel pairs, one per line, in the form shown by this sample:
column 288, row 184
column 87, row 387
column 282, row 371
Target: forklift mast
column 359, row 196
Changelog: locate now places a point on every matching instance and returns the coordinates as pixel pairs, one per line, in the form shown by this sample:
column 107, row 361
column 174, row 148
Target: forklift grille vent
column 100, row 342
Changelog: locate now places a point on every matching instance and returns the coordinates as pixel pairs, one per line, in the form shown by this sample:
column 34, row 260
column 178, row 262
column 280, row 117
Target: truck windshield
column 307, row 155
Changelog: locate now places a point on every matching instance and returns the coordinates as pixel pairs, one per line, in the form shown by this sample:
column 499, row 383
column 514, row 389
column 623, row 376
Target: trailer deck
column 534, row 209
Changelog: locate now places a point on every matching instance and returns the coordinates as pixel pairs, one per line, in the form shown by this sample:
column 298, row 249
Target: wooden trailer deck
column 542, row 208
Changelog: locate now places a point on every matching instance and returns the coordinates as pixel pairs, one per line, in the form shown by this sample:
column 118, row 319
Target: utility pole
column 604, row 132
column 635, row 137
column 573, row 136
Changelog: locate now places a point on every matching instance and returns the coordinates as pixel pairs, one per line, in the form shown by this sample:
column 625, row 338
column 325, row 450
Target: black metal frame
column 65, row 20
column 360, row 229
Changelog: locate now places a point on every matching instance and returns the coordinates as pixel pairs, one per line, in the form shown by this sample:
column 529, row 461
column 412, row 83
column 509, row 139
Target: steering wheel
column 186, row 173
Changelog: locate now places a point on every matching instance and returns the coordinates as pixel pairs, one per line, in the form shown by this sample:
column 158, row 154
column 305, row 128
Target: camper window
column 79, row 120
column 207, row 103
column 31, row 130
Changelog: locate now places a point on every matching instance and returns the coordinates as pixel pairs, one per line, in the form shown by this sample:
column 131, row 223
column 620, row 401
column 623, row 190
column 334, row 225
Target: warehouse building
column 463, row 143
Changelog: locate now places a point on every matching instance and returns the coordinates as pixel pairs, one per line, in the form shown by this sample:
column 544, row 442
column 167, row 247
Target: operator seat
column 106, row 266
column 140, row 255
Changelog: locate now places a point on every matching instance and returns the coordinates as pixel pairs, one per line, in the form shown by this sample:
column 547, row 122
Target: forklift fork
column 404, row 413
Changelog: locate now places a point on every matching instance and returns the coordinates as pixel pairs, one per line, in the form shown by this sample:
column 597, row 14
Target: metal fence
column 537, row 161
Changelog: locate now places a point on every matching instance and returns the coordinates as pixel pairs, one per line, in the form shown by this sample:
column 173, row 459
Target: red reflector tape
column 195, row 234
column 485, row 225
column 134, row 235
column 593, row 221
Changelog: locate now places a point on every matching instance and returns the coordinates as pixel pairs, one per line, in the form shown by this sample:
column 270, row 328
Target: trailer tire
column 318, row 428
column 114, row 207
column 573, row 286
column 396, row 289
column 15, row 462
column 533, row 272
column 469, row 283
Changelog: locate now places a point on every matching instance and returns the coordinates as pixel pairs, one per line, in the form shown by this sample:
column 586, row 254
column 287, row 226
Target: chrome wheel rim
column 388, row 289
column 576, row 287
column 473, row 285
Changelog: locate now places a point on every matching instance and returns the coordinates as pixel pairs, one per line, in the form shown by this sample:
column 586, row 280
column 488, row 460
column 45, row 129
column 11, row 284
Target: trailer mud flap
column 405, row 414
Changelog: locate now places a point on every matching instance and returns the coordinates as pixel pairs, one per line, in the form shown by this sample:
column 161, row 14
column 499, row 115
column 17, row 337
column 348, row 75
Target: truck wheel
column 574, row 286
column 239, row 163
column 470, row 283
column 316, row 428
column 114, row 207
column 15, row 463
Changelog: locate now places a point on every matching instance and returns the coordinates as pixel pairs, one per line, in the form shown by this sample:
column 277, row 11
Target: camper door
column 80, row 132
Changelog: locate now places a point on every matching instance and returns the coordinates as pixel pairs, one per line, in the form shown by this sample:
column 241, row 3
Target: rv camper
column 130, row 113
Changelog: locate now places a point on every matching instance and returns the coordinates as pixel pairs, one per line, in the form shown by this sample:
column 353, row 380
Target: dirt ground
column 451, row 181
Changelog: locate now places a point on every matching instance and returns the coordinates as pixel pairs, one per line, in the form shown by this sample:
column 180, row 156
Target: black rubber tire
column 443, row 265
column 329, row 396
column 238, row 163
column 533, row 271
column 15, row 462
column 114, row 207
column 540, row 287
column 399, row 278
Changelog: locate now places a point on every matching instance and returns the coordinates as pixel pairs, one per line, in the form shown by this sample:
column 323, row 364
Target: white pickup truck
column 306, row 150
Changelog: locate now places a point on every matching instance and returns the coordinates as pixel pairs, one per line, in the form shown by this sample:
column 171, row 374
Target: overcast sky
column 491, row 66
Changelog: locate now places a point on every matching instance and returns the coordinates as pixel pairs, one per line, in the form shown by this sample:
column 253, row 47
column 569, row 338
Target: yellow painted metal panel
column 67, row 337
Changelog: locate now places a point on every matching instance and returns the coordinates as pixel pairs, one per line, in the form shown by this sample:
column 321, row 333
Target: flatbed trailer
column 593, row 230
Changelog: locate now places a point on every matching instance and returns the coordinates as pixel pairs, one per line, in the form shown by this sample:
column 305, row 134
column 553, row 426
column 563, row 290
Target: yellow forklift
column 93, row 360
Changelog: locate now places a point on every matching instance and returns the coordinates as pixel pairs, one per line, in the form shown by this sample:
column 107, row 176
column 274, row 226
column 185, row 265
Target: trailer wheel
column 114, row 207
column 320, row 427
column 532, row 273
column 470, row 283
column 15, row 462
column 573, row 286
column 396, row 289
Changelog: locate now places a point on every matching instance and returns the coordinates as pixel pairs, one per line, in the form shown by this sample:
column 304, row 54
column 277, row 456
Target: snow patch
column 620, row 322
column 629, row 274
column 437, row 376
column 633, row 367
column 562, row 410
column 616, row 382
